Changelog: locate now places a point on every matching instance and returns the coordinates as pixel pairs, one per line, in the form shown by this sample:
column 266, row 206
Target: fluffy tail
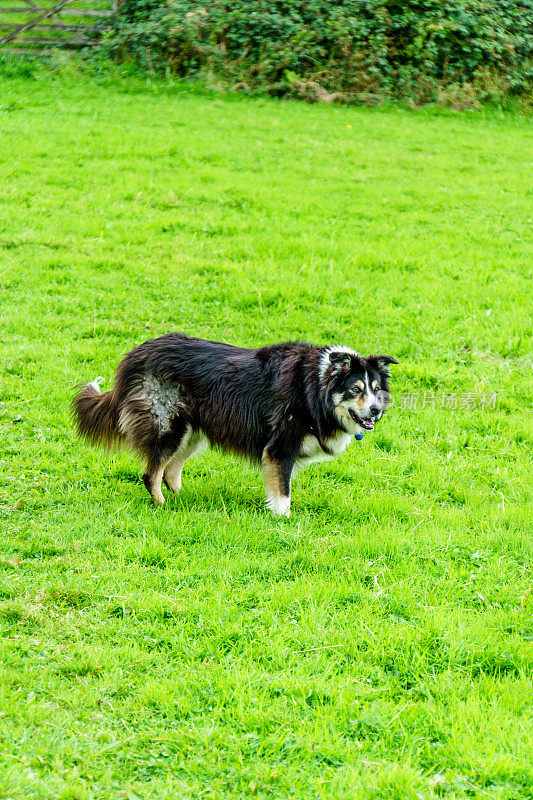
column 96, row 414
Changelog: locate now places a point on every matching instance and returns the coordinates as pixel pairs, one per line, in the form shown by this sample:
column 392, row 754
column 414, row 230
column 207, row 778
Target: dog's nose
column 374, row 410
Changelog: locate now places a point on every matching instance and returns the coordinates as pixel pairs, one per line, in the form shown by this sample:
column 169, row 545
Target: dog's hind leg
column 152, row 480
column 159, row 453
column 193, row 442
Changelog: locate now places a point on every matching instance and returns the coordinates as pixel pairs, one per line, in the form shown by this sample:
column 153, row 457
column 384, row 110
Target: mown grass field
column 376, row 645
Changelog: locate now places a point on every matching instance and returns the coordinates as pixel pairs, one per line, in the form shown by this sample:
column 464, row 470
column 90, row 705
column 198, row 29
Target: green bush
column 363, row 49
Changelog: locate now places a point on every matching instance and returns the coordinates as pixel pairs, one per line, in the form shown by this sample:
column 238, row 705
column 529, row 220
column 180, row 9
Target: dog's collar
column 324, row 447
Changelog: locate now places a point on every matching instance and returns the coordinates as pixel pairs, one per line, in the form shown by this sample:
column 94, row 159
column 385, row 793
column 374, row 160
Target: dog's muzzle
column 367, row 424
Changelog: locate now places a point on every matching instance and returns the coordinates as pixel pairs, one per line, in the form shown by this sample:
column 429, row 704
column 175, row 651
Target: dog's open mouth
column 367, row 424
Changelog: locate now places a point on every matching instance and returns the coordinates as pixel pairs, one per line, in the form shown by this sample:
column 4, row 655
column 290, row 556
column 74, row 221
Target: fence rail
column 29, row 27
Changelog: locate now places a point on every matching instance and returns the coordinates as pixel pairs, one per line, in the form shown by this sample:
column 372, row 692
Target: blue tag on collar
column 358, row 436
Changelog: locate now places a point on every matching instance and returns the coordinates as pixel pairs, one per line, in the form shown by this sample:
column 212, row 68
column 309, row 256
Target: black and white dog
column 282, row 406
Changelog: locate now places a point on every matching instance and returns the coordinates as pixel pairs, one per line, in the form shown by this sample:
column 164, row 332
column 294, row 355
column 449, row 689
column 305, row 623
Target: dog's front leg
column 277, row 469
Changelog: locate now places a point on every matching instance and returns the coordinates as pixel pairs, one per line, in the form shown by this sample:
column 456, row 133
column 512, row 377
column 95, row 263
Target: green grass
column 377, row 644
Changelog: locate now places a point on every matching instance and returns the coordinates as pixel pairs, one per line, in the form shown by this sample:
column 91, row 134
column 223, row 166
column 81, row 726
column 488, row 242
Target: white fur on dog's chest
column 311, row 450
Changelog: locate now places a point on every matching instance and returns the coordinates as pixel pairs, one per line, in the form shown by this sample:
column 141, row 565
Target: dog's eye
column 356, row 390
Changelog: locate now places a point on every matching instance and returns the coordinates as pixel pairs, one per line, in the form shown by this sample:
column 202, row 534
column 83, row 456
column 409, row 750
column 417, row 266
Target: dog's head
column 356, row 388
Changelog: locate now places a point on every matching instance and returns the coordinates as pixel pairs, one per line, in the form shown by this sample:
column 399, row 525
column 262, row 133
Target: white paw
column 279, row 505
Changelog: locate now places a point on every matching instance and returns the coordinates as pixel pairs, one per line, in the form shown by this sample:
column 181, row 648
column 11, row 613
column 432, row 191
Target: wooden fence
column 29, row 27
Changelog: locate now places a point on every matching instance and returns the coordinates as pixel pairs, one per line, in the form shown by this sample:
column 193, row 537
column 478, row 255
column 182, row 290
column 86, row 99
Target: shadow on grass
column 200, row 494
column 126, row 476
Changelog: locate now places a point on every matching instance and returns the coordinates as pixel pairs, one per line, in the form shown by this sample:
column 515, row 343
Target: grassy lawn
column 376, row 645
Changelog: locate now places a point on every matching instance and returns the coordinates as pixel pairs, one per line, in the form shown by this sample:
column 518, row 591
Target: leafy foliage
column 365, row 48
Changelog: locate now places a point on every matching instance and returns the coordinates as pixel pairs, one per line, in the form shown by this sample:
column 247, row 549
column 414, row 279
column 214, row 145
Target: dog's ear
column 383, row 362
column 341, row 362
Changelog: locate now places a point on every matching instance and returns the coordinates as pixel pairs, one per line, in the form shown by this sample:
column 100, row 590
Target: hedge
column 362, row 50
